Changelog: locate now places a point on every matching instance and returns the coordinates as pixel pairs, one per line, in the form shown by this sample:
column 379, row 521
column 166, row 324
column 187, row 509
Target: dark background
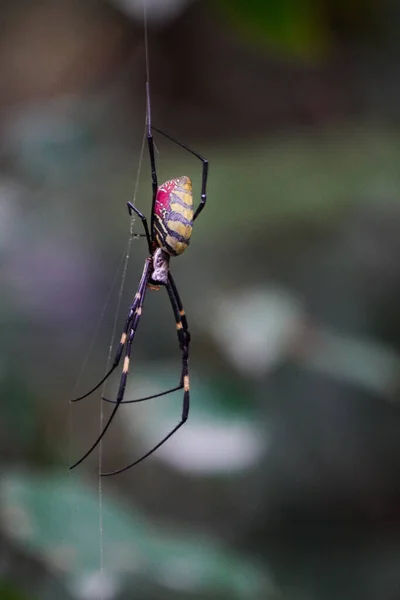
column 284, row 483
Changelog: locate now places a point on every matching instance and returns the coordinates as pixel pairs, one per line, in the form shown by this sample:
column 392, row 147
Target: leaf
column 223, row 437
column 57, row 516
column 8, row 592
column 293, row 27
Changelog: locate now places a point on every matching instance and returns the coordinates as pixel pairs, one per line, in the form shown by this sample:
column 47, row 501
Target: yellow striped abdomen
column 173, row 215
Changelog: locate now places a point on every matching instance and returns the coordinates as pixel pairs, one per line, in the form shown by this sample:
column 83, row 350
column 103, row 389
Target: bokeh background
column 284, row 484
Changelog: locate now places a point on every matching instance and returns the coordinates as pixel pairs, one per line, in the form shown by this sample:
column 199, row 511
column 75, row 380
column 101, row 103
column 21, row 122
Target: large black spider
column 172, row 217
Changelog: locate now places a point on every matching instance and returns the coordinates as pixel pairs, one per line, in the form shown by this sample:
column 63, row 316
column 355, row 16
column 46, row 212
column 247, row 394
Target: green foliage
column 56, row 516
column 312, row 179
column 304, row 29
column 8, row 592
column 294, row 27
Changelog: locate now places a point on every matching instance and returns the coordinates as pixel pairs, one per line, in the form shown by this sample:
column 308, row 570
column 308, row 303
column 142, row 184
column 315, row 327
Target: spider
column 172, row 217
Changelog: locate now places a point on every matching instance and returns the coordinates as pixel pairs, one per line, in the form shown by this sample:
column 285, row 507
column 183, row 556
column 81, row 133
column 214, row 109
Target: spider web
column 122, row 267
column 111, row 347
column 120, row 277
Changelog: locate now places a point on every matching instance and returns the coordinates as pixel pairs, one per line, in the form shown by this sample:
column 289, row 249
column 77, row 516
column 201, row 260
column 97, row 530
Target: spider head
column 173, row 215
column 160, row 268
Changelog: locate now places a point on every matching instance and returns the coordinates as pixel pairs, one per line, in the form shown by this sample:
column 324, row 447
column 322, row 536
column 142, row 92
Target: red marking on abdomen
column 163, row 198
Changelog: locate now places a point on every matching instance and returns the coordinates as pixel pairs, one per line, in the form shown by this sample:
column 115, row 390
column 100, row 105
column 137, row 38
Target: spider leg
column 131, row 312
column 154, row 181
column 150, row 145
column 178, row 387
column 118, row 354
column 133, row 208
column 184, row 340
column 182, row 330
column 204, row 176
column 133, row 328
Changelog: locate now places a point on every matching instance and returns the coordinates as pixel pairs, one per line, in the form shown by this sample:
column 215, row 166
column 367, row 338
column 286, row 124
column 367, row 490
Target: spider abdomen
column 173, row 215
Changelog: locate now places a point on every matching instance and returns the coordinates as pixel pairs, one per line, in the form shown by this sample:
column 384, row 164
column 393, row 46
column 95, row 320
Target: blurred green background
column 284, row 484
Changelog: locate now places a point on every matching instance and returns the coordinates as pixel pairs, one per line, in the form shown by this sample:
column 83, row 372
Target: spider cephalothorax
column 160, row 271
column 172, row 218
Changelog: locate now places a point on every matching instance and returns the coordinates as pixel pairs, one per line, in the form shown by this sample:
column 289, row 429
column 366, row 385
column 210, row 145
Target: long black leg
column 133, row 208
column 135, row 322
column 154, row 181
column 184, row 340
column 181, row 328
column 179, row 302
column 118, row 354
column 203, row 197
column 150, row 144
column 178, row 387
